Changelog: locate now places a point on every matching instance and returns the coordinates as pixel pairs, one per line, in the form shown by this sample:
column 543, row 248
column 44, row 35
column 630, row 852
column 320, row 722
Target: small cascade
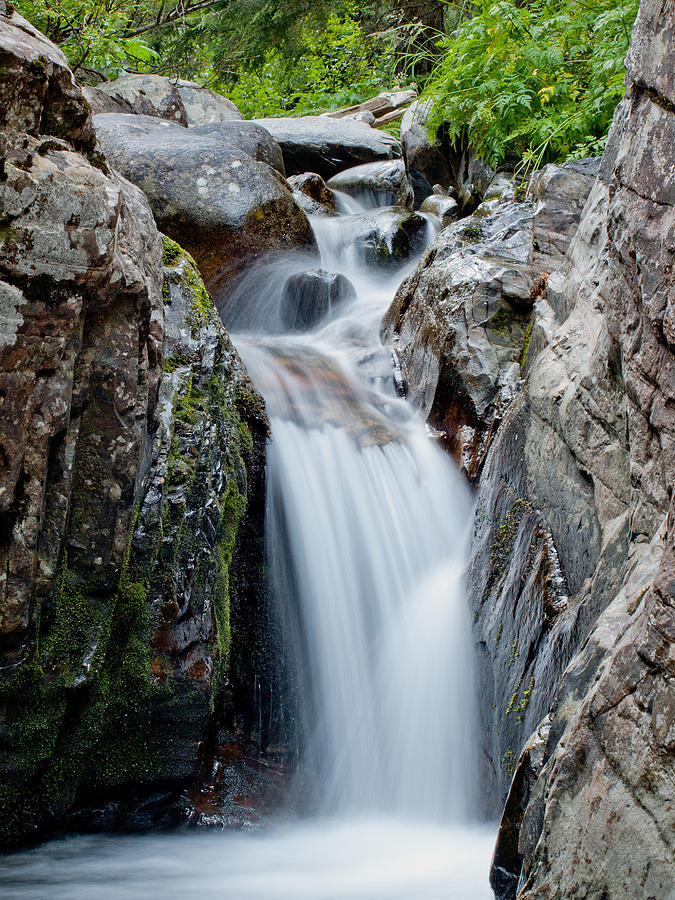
column 365, row 543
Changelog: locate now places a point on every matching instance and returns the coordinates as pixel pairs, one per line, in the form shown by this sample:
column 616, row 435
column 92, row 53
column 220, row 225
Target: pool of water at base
column 338, row 859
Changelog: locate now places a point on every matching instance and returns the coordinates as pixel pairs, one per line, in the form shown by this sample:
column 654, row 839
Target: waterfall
column 366, row 522
column 365, row 540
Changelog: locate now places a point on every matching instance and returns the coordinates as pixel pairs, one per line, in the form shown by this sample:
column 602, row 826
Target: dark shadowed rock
column 228, row 208
column 114, row 433
column 309, row 297
column 326, row 146
column 311, row 192
column 431, row 162
column 144, row 95
column 379, row 184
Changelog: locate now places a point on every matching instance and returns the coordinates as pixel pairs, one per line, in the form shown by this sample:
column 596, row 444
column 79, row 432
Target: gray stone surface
column 145, row 95
column 312, row 194
column 203, row 106
column 326, row 146
column 460, row 323
column 215, row 188
column 377, row 184
column 118, row 425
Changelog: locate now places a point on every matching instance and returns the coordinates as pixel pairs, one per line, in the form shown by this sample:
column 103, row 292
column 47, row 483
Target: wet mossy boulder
column 309, row 297
column 216, row 188
column 388, row 237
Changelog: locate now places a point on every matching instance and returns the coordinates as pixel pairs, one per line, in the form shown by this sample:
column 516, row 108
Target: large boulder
column 437, row 161
column 602, row 400
column 461, row 322
column 144, row 95
column 376, row 184
column 214, row 187
column 326, row 146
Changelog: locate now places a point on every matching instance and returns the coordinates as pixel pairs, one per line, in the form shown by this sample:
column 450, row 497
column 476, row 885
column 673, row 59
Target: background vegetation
column 529, row 80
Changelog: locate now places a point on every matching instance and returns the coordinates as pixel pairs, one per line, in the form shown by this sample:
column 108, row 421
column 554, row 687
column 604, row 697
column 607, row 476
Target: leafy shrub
column 538, row 79
column 337, row 65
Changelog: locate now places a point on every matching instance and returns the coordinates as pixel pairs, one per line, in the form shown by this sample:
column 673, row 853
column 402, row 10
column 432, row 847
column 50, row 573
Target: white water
column 365, row 533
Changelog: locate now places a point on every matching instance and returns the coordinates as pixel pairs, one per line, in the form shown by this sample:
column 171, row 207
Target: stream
column 366, row 530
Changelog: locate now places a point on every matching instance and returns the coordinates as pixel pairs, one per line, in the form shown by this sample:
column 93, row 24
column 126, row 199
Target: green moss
column 525, row 700
column 502, row 544
column 171, row 363
column 514, row 653
column 509, row 761
column 498, row 636
column 471, row 233
column 526, row 347
column 171, row 251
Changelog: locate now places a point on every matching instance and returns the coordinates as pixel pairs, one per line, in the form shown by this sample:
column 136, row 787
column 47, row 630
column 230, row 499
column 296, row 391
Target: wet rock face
column 460, row 323
column 380, row 183
column 312, row 194
column 125, row 415
column 326, row 146
column 389, row 237
column 609, row 758
column 572, row 575
column 216, row 188
column 309, row 297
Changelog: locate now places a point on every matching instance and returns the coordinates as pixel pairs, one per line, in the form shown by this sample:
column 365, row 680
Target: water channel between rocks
column 365, row 533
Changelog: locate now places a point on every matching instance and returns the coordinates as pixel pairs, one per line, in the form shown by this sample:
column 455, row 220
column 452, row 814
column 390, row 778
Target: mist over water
column 365, row 531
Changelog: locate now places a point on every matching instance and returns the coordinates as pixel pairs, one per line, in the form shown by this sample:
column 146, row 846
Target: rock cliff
column 552, row 380
column 131, row 448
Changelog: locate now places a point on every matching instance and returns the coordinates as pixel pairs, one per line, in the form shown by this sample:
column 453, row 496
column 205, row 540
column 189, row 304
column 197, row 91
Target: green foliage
column 98, row 33
column 538, row 80
column 336, row 64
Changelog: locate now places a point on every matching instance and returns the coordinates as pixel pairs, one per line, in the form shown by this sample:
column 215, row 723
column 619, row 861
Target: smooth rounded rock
column 326, row 146
column 388, row 237
column 144, row 95
column 446, row 208
column 212, row 187
column 311, row 192
column 203, row 106
column 378, row 184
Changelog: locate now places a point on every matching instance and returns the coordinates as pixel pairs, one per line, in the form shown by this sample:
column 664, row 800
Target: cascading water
column 366, row 524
